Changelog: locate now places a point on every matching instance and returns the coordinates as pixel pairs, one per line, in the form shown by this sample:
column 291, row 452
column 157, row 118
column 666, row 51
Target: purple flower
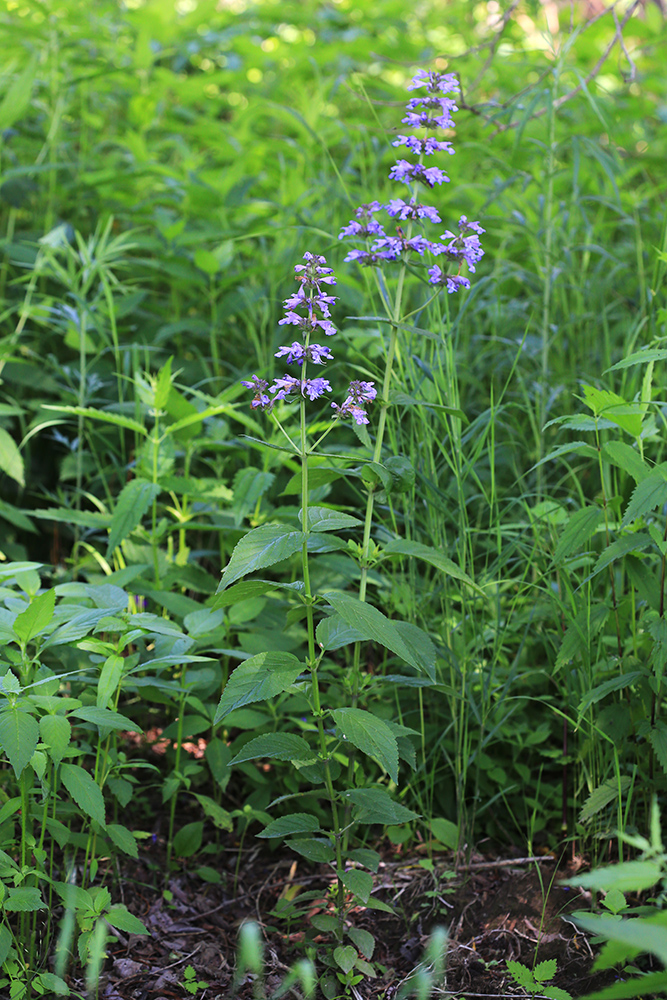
column 397, row 208
column 436, row 82
column 359, row 392
column 315, row 387
column 258, row 385
column 403, row 170
column 282, row 387
column 427, row 145
column 296, row 353
column 452, row 282
column 368, row 226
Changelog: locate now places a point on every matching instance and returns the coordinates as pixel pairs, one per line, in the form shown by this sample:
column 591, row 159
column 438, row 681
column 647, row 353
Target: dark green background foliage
column 163, row 168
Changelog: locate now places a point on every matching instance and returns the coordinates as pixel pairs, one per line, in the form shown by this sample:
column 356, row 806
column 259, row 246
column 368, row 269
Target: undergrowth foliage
column 438, row 508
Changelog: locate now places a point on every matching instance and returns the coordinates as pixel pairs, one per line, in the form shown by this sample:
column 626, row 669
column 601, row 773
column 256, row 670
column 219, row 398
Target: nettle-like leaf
column 288, row 825
column 625, row 457
column 403, row 547
column 264, row 546
column 282, row 746
column 658, row 737
column 327, row 519
column 262, row 676
column 364, row 940
column 84, row 791
column 649, row 494
column 375, row 805
column 56, row 733
column 36, row 617
column 121, row 918
column 123, row 839
column 345, row 957
column 581, row 632
column 133, row 501
column 372, row 624
column 521, row 974
column 358, row 882
column 602, row 796
column 627, row 876
column 24, row 899
column 316, row 849
column 370, row 735
column 19, row 733
column 579, row 528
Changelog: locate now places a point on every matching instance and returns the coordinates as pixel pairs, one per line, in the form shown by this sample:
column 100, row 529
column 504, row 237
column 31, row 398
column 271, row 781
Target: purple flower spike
column 258, row 385
column 452, row 282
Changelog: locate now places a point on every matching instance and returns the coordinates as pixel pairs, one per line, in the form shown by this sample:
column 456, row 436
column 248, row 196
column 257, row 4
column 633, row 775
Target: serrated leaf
column 293, row 823
column 370, row 735
column 345, row 957
column 374, row 805
column 110, row 677
column 635, row 542
column 6, row 942
column 434, row 557
column 313, row 849
column 371, row 623
column 333, row 633
column 105, row 718
column 264, row 546
column 36, row 617
column 54, row 984
column 282, row 746
column 133, row 501
column 521, row 974
column 121, row 918
column 544, row 971
column 639, row 358
column 650, row 493
column 11, row 460
column 262, row 676
column 123, row 839
column 636, row 933
column 364, row 940
column 658, row 737
column 84, row 791
column 327, row 519
column 366, row 857
column 581, row 631
column 602, row 690
column 219, row 816
column 358, row 882
column 25, row 899
column 602, row 796
column 19, row 733
column 624, row 456
column 579, row 528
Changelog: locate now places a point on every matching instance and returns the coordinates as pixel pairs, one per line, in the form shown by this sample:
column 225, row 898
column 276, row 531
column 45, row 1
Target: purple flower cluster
column 308, row 309
column 431, row 110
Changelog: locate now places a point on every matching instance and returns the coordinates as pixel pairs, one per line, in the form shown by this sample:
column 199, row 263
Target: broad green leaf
column 264, row 546
column 6, row 942
column 282, row 746
column 639, row 358
column 364, row 940
column 581, row 632
column 75, row 897
column 635, row 542
column 105, row 718
column 36, row 617
column 251, row 588
column 650, row 493
column 624, row 456
column 602, row 690
column 82, row 518
column 544, row 971
column 358, row 882
column 402, row 547
column 611, row 406
column 219, row 816
column 53, row 984
column 601, row 796
column 365, row 856
column 370, row 735
column 420, row 645
column 521, row 974
column 372, row 624
column 17, row 96
column 103, row 415
column 188, row 839
column 121, row 918
column 19, row 733
column 10, row 569
column 658, row 737
column 110, row 677
column 627, row 876
column 123, row 839
column 293, row 823
column 374, row 805
column 579, row 528
column 333, row 633
column 316, row 477
column 345, row 957
column 134, row 500
column 25, row 899
column 11, row 460
column 326, row 519
column 648, row 985
column 262, row 676
column 636, row 933
column 207, row 261
column 56, row 733
column 84, row 791
column 445, row 831
column 316, row 849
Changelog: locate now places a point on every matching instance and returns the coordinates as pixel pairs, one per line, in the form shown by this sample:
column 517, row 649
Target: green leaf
column 188, row 839
column 333, row 633
column 366, row 857
column 53, row 984
column 370, row 735
column 123, row 839
column 358, row 882
column 134, row 500
column 402, row 547
column 25, row 899
column 56, row 733
column 345, row 957
column 103, row 415
column 19, row 733
column 219, row 816
column 638, row 358
column 636, row 933
column 207, row 262
column 602, row 796
column 104, row 718
column 251, row 588
column 293, row 823
column 315, row 849
column 327, row 519
column 372, row 624
column 658, row 737
column 579, row 528
column 374, row 805
column 110, row 678
column 265, row 546
column 581, row 632
column 627, row 876
column 282, row 746
column 611, row 406
column 650, row 493
column 18, row 94
column 635, row 542
column 544, row 971
column 624, row 456
column 249, row 485
column 75, row 897
column 649, row 985
column 521, row 974
column 364, row 940
column 262, row 676
column 120, row 917
column 36, row 617
column 446, row 832
column 319, row 476
column 11, row 460
column 84, row 791
column 420, row 645
column 602, row 690
column 6, row 942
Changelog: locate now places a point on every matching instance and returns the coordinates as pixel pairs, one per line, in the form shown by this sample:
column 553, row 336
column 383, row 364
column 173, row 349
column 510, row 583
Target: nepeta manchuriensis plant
column 337, row 619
